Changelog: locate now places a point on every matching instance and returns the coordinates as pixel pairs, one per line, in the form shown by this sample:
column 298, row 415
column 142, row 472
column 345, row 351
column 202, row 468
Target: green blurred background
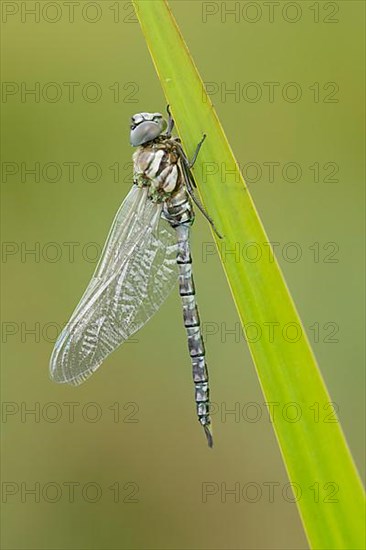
column 134, row 453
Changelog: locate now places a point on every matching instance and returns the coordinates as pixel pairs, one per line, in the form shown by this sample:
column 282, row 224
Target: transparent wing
column 135, row 274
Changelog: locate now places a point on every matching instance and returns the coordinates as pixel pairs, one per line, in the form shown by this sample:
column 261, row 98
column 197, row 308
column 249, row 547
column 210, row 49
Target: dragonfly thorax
column 157, row 166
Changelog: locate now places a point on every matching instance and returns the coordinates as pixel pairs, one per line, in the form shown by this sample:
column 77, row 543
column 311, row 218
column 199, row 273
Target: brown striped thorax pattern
column 156, row 166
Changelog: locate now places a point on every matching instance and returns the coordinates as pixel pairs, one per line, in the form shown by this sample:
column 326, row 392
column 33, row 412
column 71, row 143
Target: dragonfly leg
column 191, row 184
column 170, row 127
column 199, row 145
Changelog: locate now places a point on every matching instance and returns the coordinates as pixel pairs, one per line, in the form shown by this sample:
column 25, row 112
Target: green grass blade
column 315, row 454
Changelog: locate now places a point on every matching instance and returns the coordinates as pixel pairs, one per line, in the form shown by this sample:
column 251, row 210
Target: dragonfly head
column 146, row 127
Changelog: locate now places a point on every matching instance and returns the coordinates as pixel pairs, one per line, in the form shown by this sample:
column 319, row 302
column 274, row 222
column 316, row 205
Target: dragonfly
column 146, row 253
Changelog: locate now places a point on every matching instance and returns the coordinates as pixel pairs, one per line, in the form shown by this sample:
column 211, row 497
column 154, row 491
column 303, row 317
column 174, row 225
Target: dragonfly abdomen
column 178, row 208
column 192, row 324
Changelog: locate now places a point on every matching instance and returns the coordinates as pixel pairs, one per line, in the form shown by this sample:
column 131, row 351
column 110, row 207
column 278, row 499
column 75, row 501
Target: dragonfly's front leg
column 199, row 145
column 170, row 127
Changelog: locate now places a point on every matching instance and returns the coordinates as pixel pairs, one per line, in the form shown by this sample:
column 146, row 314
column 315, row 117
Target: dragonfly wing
column 135, row 274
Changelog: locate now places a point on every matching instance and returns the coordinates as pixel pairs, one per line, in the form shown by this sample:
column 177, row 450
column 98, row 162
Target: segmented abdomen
column 192, row 324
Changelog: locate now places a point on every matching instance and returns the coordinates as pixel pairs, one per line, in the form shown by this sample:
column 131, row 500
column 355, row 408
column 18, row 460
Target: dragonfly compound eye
column 145, row 127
